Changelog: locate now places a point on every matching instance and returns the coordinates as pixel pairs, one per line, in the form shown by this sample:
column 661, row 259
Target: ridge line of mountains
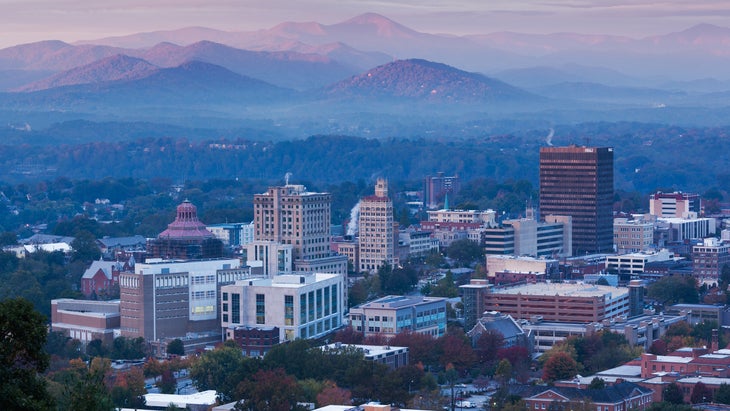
column 370, row 64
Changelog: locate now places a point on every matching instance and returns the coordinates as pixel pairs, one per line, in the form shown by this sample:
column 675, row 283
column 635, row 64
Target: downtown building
column 674, row 205
column 304, row 305
column 167, row 299
column 578, row 182
column 378, row 235
column 392, row 314
column 437, row 188
column 292, row 215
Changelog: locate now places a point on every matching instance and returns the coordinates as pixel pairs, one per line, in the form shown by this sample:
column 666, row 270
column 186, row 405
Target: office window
column 236, row 308
column 303, row 309
column 260, row 309
column 288, row 310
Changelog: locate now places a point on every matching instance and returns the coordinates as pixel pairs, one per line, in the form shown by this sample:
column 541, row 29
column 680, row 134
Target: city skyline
column 76, row 20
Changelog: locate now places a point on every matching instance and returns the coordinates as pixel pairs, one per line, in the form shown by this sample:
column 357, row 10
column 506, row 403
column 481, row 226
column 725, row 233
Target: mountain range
column 310, row 76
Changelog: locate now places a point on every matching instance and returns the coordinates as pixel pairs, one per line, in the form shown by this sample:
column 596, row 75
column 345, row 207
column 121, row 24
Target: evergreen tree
column 22, row 357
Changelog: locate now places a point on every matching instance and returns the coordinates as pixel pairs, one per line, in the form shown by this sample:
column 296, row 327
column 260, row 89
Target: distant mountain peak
column 370, row 18
column 382, row 25
column 113, row 68
column 424, row 80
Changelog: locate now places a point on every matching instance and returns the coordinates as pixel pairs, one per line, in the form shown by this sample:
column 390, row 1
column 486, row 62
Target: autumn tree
column 348, row 335
column 658, row 347
column 421, row 347
column 560, row 366
column 168, row 382
column 455, row 348
column 268, row 390
column 519, row 358
column 487, row 346
column 129, row 389
column 331, row 394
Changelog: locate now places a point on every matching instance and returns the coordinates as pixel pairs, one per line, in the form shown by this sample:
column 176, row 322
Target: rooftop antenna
column 286, row 178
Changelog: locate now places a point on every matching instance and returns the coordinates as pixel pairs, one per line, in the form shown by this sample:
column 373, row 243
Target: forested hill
column 647, row 157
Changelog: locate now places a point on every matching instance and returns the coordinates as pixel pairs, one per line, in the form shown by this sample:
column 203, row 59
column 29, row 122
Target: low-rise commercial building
column 389, row 315
column 86, row 320
column 393, row 357
column 307, row 305
column 560, row 302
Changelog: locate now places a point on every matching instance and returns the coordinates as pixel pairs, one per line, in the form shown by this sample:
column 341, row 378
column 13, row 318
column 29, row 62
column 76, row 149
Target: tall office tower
column 436, row 188
column 376, row 239
column 578, row 182
column 293, row 215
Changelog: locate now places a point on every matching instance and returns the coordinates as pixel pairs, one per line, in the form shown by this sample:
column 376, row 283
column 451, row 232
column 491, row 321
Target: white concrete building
column 269, row 258
column 300, row 305
column 634, row 263
column 485, row 217
column 503, row 263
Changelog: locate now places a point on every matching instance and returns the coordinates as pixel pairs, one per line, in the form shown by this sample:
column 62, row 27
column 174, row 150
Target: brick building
column 562, row 302
column 85, row 320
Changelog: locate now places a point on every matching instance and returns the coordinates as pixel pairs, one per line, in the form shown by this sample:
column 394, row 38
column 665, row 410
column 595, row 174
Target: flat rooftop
column 564, row 289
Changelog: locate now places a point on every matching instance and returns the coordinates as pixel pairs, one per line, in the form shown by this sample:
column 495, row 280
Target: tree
column 674, row 289
column 22, row 357
column 445, row 287
column 168, row 382
column 348, row 335
column 331, row 394
column 672, row 394
column 701, row 394
column 503, row 371
column 176, row 347
column 722, row 395
column 129, row 389
column 560, row 366
column 96, row 348
column 658, row 347
column 421, row 347
column 724, row 279
column 84, row 247
column 488, row 345
column 268, row 390
column 602, row 281
column 667, row 406
column 222, row 369
column 455, row 348
column 465, row 252
column 89, row 392
column 597, row 383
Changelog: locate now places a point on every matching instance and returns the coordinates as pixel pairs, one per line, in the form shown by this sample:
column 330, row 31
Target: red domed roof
column 186, row 225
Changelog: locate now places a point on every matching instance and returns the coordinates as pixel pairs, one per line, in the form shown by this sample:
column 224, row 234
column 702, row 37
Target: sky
column 24, row 21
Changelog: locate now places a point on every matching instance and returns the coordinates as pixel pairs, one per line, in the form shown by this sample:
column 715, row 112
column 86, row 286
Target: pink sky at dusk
column 23, row 21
